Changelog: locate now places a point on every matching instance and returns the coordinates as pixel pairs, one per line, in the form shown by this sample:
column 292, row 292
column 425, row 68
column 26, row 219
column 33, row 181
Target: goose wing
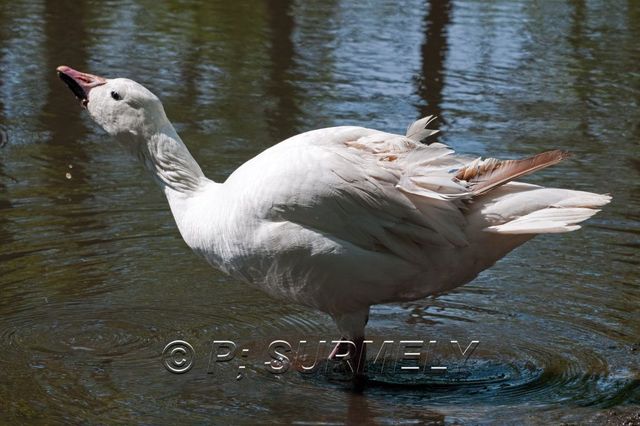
column 380, row 191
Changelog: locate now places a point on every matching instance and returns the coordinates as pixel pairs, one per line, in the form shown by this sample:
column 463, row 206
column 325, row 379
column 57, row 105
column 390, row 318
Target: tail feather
column 536, row 210
column 549, row 220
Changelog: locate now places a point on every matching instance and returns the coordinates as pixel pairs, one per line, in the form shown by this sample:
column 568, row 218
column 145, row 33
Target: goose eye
column 116, row 96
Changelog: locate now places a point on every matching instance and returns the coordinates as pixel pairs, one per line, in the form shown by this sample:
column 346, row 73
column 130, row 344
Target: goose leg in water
column 353, row 352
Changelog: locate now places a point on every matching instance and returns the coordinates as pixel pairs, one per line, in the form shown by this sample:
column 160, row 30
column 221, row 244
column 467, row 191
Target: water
column 95, row 279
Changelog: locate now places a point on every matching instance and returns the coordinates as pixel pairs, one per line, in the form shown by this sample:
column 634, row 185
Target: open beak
column 79, row 82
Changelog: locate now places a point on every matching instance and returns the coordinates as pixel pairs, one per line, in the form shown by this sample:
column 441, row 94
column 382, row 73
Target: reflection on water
column 283, row 115
column 89, row 298
column 433, row 56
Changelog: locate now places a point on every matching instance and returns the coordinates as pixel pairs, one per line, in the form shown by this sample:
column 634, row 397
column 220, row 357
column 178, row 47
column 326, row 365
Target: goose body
column 342, row 218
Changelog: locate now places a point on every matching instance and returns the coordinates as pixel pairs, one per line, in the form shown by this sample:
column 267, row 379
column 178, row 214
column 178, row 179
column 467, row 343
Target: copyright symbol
column 178, row 356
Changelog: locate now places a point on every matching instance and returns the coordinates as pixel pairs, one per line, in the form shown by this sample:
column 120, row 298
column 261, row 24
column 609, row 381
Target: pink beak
column 79, row 82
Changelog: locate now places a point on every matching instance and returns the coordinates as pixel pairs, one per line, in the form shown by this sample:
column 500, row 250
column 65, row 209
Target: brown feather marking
column 488, row 174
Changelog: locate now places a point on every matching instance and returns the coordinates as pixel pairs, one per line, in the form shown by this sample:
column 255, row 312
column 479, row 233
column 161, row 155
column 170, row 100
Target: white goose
column 341, row 218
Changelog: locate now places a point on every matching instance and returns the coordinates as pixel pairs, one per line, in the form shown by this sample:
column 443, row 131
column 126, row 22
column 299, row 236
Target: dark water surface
column 95, row 279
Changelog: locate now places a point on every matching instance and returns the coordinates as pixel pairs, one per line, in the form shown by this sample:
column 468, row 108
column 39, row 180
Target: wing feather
column 418, row 130
column 484, row 175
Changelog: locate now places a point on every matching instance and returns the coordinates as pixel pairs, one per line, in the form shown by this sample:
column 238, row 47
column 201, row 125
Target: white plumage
column 342, row 218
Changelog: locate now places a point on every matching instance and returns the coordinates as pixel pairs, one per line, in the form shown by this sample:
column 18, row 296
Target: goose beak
column 79, row 82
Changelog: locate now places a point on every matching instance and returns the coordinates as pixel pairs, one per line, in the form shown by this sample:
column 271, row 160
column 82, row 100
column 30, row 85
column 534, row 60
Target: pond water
column 95, row 279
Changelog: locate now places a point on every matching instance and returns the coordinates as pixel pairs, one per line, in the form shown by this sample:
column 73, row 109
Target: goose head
column 123, row 108
column 135, row 117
